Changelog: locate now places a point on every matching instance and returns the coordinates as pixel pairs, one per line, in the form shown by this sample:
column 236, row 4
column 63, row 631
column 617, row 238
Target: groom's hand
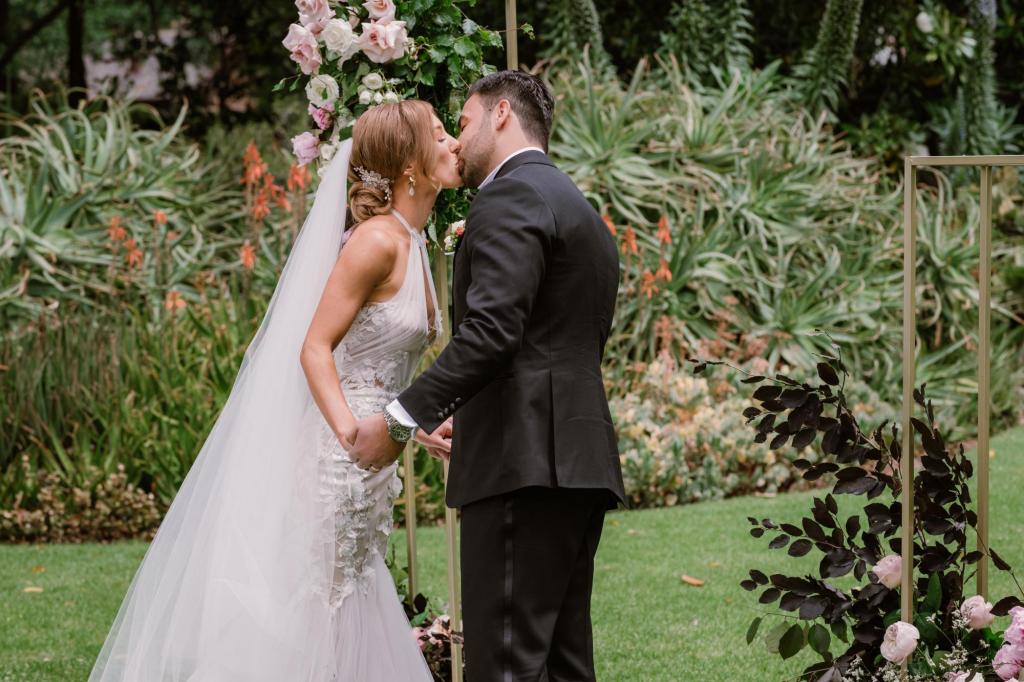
column 374, row 448
column 438, row 443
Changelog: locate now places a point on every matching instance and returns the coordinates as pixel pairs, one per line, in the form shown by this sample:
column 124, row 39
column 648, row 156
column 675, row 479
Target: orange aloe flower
column 629, row 241
column 159, row 217
column 275, row 192
column 664, row 233
column 115, row 231
column 611, row 226
column 247, row 254
column 664, row 271
column 649, row 285
column 254, row 166
column 298, row 177
column 260, row 209
column 174, row 301
column 133, row 254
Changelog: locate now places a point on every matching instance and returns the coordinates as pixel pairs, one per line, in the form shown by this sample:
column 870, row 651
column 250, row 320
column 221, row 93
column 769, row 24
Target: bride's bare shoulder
column 375, row 238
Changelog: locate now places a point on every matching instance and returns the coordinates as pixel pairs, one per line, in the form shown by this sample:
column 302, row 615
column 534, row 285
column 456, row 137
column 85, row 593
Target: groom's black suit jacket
column 534, row 286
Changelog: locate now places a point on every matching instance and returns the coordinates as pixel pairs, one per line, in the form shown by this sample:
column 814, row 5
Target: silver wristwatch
column 398, row 432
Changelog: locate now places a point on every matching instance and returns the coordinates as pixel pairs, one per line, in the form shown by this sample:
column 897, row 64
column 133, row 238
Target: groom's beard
column 475, row 158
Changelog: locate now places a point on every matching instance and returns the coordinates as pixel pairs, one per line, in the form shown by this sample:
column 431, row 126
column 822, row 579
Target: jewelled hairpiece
column 374, row 179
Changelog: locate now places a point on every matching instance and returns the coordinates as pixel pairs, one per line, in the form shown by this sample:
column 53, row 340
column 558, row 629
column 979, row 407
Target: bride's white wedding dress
column 376, row 361
column 269, row 564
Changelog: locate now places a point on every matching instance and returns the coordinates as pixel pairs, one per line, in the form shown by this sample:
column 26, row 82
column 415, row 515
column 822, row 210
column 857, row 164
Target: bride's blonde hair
column 385, row 139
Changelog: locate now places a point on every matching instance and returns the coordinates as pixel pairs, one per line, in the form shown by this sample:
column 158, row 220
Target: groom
column 534, row 462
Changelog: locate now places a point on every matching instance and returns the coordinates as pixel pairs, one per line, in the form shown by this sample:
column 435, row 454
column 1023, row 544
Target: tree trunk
column 76, row 61
column 5, row 30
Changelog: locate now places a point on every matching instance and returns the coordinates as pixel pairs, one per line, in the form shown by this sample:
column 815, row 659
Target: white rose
column 327, row 151
column 377, row 98
column 889, row 570
column 900, row 642
column 373, row 81
column 391, row 97
column 322, row 90
column 977, row 612
column 339, row 38
column 925, row 24
column 365, row 96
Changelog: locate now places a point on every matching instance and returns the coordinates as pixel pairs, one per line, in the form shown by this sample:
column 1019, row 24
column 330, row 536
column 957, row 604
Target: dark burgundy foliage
column 796, row 414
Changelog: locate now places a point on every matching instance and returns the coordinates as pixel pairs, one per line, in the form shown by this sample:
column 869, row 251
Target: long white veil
column 232, row 587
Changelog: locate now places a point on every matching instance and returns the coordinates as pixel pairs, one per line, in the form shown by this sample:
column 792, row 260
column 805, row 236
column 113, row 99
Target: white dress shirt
column 394, row 407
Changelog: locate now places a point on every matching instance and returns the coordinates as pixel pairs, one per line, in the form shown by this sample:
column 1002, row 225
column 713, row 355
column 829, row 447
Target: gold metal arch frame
column 911, row 164
column 409, row 457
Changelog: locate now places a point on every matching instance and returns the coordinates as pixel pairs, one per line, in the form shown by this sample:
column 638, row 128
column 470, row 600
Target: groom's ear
column 502, row 114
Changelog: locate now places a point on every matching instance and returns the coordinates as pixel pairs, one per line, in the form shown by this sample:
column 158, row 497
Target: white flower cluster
column 374, row 89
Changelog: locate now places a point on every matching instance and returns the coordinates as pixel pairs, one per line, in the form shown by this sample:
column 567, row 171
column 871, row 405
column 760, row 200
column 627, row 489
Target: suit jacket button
column 440, row 415
column 452, row 406
column 458, row 401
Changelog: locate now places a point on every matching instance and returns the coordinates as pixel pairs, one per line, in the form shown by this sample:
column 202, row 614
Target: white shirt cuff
column 398, row 412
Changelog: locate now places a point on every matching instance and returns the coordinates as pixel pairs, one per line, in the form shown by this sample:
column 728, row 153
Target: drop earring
column 412, row 186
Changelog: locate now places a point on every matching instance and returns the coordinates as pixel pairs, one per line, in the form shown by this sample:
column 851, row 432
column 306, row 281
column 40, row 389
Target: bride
column 269, row 565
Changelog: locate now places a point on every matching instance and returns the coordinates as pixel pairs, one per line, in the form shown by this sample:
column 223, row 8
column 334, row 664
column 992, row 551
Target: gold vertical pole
column 410, row 515
column 451, row 520
column 451, row 523
column 984, row 370
column 511, row 36
column 909, row 341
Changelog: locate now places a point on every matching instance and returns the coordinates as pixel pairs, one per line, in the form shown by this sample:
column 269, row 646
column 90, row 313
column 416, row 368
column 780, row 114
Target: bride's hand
column 347, row 434
column 438, row 443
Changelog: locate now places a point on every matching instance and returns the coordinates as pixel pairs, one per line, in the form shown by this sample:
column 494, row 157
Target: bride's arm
column 364, row 264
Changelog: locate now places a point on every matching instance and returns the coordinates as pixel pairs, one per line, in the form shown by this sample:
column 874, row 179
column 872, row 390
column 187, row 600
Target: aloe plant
column 69, row 172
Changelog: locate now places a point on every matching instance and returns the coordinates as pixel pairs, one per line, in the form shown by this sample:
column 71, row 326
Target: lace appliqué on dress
column 362, row 503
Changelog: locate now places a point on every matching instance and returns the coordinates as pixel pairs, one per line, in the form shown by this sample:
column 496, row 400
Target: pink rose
column 977, row 612
column 900, row 641
column 1008, row 661
column 314, row 14
column 383, row 42
column 303, row 46
column 305, row 147
column 380, row 10
column 321, row 116
column 889, row 570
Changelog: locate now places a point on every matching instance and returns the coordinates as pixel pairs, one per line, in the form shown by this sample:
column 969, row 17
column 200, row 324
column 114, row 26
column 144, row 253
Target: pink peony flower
column 418, row 634
column 321, row 115
column 964, row 677
column 1008, row 661
column 383, row 42
column 303, row 46
column 900, row 641
column 977, row 612
column 889, row 570
column 1015, row 632
column 380, row 10
column 314, row 14
column 305, row 147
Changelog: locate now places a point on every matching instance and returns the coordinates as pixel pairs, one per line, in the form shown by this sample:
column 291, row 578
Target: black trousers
column 527, row 574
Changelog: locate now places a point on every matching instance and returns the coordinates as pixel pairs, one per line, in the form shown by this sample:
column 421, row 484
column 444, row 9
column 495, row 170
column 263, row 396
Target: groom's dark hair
column 530, row 99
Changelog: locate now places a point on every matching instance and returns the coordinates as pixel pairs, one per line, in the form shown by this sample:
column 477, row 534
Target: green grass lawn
column 648, row 625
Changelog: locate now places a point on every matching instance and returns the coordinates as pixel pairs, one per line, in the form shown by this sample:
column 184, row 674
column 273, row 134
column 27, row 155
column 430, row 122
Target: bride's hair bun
column 385, row 139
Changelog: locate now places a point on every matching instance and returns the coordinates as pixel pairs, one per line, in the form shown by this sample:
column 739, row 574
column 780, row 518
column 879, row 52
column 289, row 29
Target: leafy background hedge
column 750, row 175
